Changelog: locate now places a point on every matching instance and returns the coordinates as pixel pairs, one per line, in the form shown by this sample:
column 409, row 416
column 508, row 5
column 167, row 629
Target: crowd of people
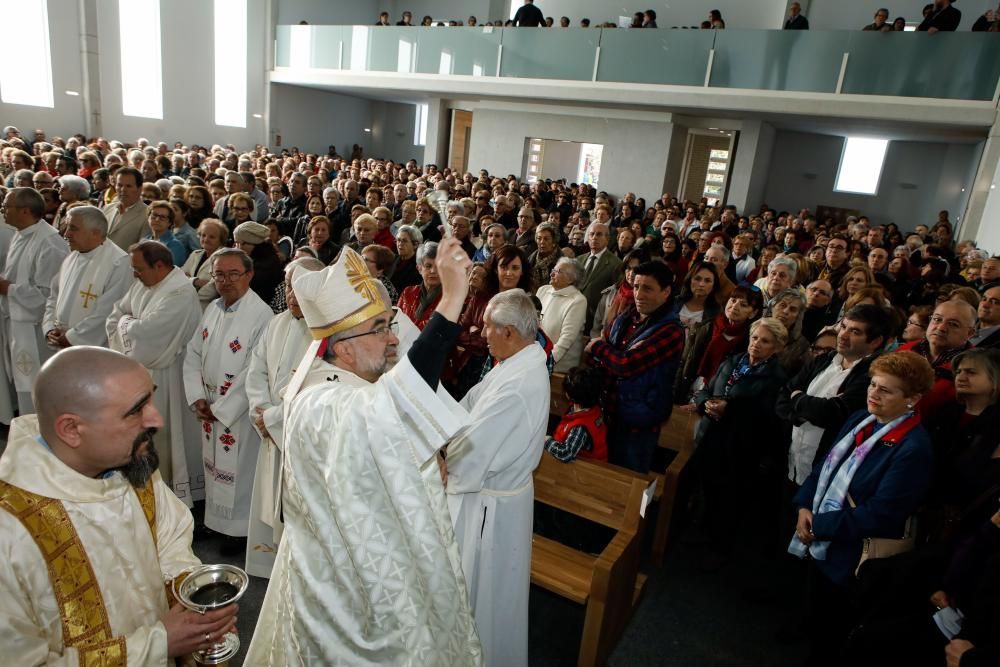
column 845, row 374
column 939, row 15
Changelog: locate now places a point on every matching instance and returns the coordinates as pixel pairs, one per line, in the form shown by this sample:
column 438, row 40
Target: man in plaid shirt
column 640, row 356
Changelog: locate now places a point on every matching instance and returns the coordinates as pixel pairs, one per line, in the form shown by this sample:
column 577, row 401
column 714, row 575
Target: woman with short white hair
column 564, row 311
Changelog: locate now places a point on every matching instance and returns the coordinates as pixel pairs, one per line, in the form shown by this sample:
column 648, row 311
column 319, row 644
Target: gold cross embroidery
column 360, row 279
column 88, row 295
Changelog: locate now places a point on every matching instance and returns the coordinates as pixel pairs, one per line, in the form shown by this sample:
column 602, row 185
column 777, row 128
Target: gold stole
column 85, row 622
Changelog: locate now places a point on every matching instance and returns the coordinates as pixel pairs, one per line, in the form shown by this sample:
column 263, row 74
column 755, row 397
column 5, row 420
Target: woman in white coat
column 212, row 234
column 564, row 311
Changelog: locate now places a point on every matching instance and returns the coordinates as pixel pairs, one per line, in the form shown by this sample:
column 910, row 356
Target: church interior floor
column 687, row 618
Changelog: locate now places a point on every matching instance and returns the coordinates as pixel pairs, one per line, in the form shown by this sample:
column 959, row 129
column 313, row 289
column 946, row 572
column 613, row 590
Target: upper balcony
column 908, row 75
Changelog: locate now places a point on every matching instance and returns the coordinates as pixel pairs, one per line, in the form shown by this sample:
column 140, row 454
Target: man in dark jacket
column 830, row 387
column 640, row 359
column 943, row 17
column 529, row 16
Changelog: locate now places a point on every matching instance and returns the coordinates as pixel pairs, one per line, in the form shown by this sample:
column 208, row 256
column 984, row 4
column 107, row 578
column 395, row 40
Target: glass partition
column 800, row 60
column 948, row 65
column 944, row 65
column 670, row 57
column 468, row 51
column 566, row 53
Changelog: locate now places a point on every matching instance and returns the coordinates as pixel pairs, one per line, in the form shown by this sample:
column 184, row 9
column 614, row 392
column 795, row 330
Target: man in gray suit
column 127, row 214
column 599, row 269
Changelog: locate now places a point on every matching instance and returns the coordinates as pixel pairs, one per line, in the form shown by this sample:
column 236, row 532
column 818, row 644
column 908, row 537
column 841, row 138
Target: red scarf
column 620, row 302
column 719, row 346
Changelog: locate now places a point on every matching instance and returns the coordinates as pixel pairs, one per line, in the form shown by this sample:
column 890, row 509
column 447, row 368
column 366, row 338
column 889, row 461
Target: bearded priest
column 88, row 530
column 368, row 571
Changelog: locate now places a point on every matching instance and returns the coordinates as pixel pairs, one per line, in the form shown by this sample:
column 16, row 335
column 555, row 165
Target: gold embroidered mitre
column 339, row 297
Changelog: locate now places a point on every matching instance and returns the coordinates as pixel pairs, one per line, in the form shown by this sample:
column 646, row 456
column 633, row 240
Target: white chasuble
column 33, row 259
column 85, row 290
column 107, row 523
column 491, row 498
column 271, row 364
column 153, row 326
column 367, row 572
column 6, row 388
column 215, row 368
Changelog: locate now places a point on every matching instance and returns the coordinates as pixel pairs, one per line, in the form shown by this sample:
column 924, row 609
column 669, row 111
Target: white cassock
column 6, row 404
column 271, row 364
column 491, row 498
column 85, row 291
column 153, row 326
column 215, row 369
column 367, row 572
column 113, row 534
column 34, row 258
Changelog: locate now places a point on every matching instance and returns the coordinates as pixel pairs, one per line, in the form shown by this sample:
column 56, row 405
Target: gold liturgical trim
column 84, row 617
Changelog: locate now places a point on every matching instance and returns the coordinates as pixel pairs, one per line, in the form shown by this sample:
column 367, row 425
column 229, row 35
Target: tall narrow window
column 142, row 72
column 26, row 69
column 861, row 165
column 420, row 125
column 231, row 63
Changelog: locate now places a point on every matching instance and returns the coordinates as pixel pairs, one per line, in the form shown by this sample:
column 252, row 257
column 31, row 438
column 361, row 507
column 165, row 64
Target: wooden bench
column 677, row 435
column 608, row 584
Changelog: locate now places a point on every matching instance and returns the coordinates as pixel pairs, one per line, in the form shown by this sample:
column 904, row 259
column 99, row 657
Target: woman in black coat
column 736, row 437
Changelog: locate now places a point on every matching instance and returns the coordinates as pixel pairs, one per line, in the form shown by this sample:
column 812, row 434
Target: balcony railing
column 959, row 66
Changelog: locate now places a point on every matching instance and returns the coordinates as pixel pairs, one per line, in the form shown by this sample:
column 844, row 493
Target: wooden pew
column 608, row 584
column 677, row 435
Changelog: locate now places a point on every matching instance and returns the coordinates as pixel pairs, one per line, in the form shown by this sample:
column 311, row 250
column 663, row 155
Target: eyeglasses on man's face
column 382, row 332
column 231, row 276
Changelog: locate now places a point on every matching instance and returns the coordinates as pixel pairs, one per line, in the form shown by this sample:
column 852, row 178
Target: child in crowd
column 582, row 431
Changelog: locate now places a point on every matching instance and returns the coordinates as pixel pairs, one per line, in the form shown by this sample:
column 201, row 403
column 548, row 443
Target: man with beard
column 368, row 543
column 88, row 530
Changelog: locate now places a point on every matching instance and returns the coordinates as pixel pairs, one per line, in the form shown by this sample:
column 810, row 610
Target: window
column 26, row 68
column 142, row 72
column 861, row 165
column 231, row 63
column 420, row 125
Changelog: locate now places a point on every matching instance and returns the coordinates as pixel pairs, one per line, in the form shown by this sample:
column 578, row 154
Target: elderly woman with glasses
column 160, row 219
column 564, row 311
column 419, row 301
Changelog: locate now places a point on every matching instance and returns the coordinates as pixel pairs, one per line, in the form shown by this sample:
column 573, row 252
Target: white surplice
column 367, row 572
column 215, row 369
column 491, row 498
column 6, row 388
column 85, row 291
column 33, row 259
column 153, row 326
column 130, row 569
column 271, row 364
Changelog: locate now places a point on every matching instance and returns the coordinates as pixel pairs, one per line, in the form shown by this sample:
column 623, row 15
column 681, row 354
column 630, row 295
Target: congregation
column 844, row 373
column 940, row 15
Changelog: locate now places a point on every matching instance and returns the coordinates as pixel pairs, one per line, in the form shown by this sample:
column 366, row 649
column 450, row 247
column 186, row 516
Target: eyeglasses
column 382, row 332
column 241, row 208
column 916, row 323
column 841, row 248
column 231, row 276
column 158, row 216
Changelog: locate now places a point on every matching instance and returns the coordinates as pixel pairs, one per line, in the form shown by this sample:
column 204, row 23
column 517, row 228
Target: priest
column 6, row 390
column 271, row 364
column 88, row 531
column 35, row 255
column 215, row 369
column 92, row 278
column 490, row 466
column 368, row 571
column 152, row 324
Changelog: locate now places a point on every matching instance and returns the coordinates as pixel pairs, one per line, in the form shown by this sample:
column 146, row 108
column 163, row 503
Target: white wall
column 804, row 167
column 561, row 159
column 187, row 38
column 635, row 151
column 313, row 119
column 751, row 165
column 392, row 126
column 744, row 14
column 67, row 117
column 841, row 15
column 346, row 12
